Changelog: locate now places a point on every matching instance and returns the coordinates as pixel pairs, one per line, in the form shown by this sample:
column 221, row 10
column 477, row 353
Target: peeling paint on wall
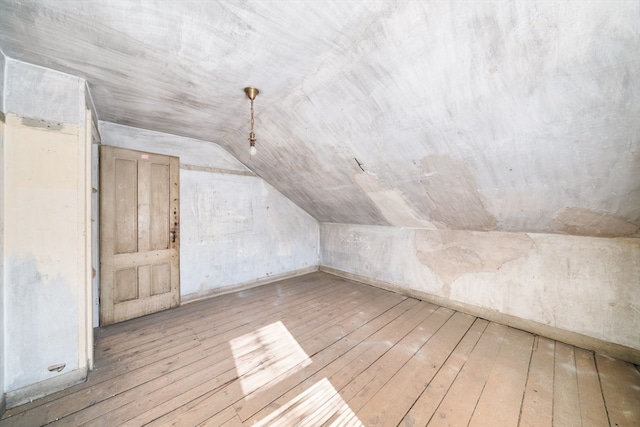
column 391, row 203
column 42, row 124
column 587, row 285
column 451, row 254
column 453, row 195
column 539, row 98
column 588, row 222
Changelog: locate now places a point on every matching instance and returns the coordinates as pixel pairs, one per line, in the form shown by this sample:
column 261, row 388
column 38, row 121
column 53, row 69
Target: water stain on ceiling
column 518, row 116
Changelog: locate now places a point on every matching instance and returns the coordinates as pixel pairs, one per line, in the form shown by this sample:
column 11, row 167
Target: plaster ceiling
column 510, row 116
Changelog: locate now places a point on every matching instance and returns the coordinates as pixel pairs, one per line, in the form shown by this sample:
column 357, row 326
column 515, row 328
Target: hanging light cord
column 252, row 137
column 251, row 93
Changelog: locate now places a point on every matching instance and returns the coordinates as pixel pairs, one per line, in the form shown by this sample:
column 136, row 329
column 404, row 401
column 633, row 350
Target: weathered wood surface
column 321, row 350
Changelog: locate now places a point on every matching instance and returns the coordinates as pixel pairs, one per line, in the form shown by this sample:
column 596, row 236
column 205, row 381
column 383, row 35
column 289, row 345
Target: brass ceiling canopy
column 252, row 92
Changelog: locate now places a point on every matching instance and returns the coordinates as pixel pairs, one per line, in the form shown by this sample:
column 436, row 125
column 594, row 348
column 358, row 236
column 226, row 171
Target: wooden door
column 139, row 236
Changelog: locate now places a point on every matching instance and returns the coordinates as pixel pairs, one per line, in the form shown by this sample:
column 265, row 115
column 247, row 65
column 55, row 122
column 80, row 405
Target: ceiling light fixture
column 252, row 92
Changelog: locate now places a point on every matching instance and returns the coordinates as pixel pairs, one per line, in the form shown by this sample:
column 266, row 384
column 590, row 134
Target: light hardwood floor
column 320, row 350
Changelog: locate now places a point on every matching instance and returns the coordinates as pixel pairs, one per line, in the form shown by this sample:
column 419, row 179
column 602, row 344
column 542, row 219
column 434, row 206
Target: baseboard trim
column 186, row 299
column 617, row 351
column 45, row 387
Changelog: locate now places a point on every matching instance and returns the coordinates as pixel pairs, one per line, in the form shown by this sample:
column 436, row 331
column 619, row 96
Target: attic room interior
column 424, row 213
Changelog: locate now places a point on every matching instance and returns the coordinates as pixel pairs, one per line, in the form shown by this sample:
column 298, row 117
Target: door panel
column 123, row 282
column 159, row 207
column 126, row 204
column 161, row 279
column 140, row 234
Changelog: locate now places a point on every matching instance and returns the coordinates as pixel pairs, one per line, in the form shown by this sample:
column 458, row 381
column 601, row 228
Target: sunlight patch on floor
column 313, row 407
column 266, row 354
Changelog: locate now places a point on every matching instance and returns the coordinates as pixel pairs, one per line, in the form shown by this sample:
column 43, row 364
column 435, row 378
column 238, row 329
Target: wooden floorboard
column 537, row 406
column 425, row 406
column 321, row 350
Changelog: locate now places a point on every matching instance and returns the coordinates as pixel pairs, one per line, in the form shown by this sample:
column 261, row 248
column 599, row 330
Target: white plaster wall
column 41, row 253
column 43, row 94
column 586, row 285
column 235, row 229
column 238, row 229
column 43, row 184
column 192, row 152
column 2, row 307
column 3, row 310
column 3, row 60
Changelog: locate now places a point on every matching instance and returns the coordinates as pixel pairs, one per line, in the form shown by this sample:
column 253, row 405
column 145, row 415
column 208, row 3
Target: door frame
column 86, row 139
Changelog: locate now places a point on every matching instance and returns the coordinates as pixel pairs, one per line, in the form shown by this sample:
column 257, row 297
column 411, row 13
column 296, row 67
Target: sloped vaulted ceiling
column 513, row 116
